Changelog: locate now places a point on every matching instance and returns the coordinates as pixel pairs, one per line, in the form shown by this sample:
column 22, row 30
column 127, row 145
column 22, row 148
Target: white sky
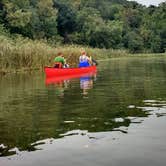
column 149, row 2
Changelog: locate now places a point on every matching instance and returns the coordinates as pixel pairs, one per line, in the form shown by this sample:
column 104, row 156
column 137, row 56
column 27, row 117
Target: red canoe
column 54, row 72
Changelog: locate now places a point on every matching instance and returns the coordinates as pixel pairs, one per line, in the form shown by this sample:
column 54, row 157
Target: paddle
column 94, row 62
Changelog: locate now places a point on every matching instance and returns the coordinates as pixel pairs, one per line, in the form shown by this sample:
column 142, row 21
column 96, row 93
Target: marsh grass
column 19, row 53
column 22, row 54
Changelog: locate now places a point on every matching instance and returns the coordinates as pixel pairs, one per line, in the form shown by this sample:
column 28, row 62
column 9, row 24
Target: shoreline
column 23, row 54
column 4, row 71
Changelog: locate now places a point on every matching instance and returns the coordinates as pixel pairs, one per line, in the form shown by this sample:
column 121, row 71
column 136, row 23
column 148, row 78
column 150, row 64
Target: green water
column 123, row 93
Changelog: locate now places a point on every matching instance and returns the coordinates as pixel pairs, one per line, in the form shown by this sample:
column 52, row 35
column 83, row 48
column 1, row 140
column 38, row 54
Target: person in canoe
column 84, row 60
column 60, row 62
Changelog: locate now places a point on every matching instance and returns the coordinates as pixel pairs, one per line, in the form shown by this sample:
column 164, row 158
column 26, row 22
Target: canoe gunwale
column 54, row 72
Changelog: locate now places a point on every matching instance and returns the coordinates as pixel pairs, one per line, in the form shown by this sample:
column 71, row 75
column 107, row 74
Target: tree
column 156, row 44
column 155, row 22
column 107, row 35
column 66, row 21
column 1, row 12
column 18, row 15
column 88, row 19
column 2, row 29
column 45, row 20
column 134, row 42
column 109, row 11
column 104, row 24
column 132, row 17
column 32, row 18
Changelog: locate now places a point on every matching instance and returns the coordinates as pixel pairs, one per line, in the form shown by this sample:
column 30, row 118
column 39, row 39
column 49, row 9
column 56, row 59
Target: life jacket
column 84, row 64
column 83, row 58
column 83, row 61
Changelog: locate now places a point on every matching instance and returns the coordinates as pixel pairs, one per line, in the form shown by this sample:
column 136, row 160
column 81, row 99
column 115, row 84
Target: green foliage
column 156, row 44
column 35, row 19
column 47, row 17
column 19, row 19
column 103, row 24
column 66, row 20
column 109, row 11
column 1, row 12
column 3, row 30
column 17, row 15
column 132, row 17
column 88, row 20
column 107, row 35
column 134, row 42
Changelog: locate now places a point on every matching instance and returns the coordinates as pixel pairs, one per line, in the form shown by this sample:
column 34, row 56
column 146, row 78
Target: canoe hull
column 53, row 72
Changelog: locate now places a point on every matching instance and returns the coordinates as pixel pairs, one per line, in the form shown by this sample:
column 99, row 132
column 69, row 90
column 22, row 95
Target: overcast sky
column 149, row 2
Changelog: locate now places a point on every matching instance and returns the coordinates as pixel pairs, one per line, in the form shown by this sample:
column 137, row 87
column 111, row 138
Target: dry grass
column 19, row 54
column 24, row 54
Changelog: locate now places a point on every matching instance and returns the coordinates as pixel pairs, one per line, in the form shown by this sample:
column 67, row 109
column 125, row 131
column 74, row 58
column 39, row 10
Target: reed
column 20, row 54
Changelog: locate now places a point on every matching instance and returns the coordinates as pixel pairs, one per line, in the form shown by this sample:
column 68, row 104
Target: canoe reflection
column 57, row 80
column 61, row 83
column 86, row 83
column 60, row 87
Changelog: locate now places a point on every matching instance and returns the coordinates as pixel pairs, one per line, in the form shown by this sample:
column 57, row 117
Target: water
column 116, row 117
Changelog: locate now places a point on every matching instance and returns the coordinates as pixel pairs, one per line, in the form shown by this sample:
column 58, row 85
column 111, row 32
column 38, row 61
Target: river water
column 115, row 117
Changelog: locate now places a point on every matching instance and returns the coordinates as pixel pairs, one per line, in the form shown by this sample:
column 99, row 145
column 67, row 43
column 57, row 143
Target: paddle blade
column 94, row 62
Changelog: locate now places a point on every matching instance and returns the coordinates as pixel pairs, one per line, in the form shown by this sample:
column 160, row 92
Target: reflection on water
column 62, row 83
column 86, row 83
column 60, row 87
column 123, row 92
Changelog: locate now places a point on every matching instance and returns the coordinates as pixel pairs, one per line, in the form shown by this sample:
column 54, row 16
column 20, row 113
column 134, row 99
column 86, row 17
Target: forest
column 115, row 24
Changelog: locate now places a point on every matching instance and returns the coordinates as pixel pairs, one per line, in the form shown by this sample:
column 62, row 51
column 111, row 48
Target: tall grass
column 24, row 54
column 18, row 53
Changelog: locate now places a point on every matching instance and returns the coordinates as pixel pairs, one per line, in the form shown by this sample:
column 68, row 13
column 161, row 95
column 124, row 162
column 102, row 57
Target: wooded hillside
column 117, row 24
